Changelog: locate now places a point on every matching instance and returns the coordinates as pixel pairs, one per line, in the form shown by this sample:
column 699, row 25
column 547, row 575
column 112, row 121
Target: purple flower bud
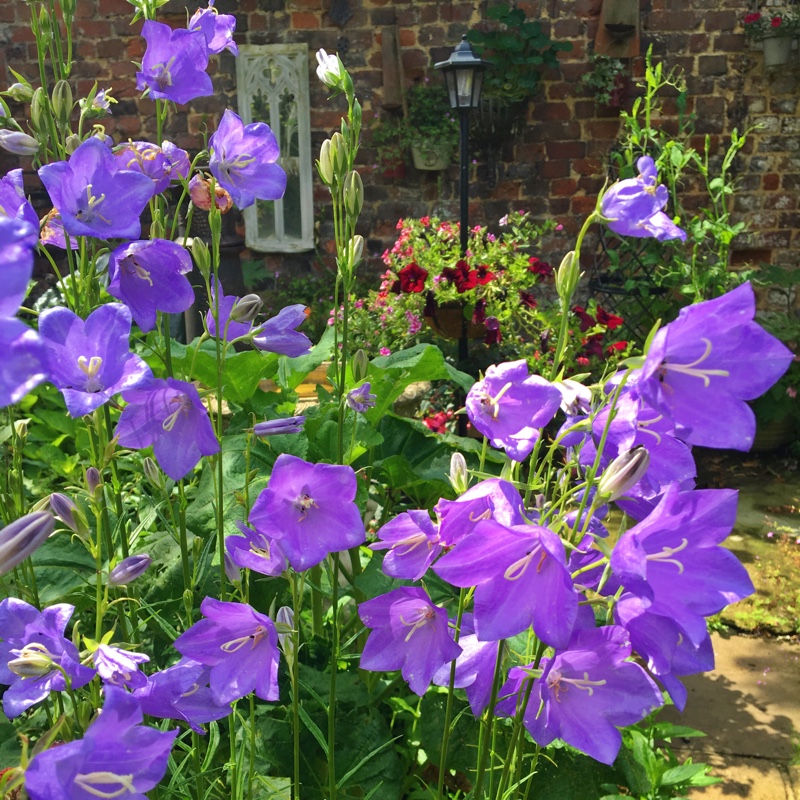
column 32, row 661
column 22, row 537
column 273, row 427
column 62, row 506
column 129, row 569
column 624, row 472
column 93, row 480
column 18, row 143
column 231, row 571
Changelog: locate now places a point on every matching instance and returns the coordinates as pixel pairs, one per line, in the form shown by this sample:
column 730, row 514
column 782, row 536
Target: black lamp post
column 463, row 74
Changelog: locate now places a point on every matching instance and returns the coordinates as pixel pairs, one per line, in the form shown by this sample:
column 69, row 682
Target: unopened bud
column 459, row 476
column 129, row 569
column 21, row 429
column 21, row 538
column 202, row 257
column 72, row 143
column 353, row 193
column 18, row 143
column 339, row 155
column 32, row 661
column 355, row 251
column 153, row 473
column 247, row 308
column 360, row 366
column 93, row 480
column 64, row 507
column 158, row 226
column 567, row 276
column 325, row 163
column 21, row 92
column 200, row 194
column 284, row 625
column 624, row 472
column 272, row 427
column 39, row 110
column 62, row 101
column 232, row 572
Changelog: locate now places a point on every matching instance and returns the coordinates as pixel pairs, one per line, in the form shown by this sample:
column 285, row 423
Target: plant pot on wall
column 431, row 158
column 777, row 50
column 448, row 320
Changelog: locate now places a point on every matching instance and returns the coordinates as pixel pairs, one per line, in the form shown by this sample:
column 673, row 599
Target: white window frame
column 288, row 64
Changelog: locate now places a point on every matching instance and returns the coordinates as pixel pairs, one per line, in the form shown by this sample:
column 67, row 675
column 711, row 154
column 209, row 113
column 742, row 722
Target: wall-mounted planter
column 430, row 158
column 777, row 50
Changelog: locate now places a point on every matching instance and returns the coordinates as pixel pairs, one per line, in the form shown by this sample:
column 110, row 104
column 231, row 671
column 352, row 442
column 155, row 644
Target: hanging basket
column 431, row 158
column 495, row 120
column 448, row 321
column 777, row 50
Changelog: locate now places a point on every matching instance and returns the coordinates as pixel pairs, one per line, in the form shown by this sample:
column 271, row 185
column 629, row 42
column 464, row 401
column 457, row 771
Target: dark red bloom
column 587, row 320
column 776, row 22
column 527, row 299
column 438, row 422
column 617, row 347
column 430, row 305
column 479, row 314
column 395, row 287
column 412, row 278
column 610, row 321
column 749, row 19
column 539, row 267
column 462, row 276
column 484, row 276
column 493, row 335
column 582, row 361
column 593, row 346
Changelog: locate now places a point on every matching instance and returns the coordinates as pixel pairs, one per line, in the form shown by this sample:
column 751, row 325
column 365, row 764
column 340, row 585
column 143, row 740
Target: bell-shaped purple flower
column 29, row 635
column 585, row 693
column 174, row 63
column 225, row 304
column 91, row 361
column 217, row 28
column 14, row 204
column 117, row 757
column 509, row 407
column 413, row 543
column 94, row 196
column 147, row 158
column 409, row 633
column 280, row 426
column 52, row 232
column 22, row 538
column 360, row 399
column 703, row 367
column 18, row 239
column 256, row 551
column 150, row 276
column 179, row 164
column 170, row 416
column 309, row 509
column 119, row 667
column 241, row 647
column 181, row 692
column 24, row 363
column 633, row 207
column 277, row 335
column 129, row 569
column 243, row 160
column 521, row 578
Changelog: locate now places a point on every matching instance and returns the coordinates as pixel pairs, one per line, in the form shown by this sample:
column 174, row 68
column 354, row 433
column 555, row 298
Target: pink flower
column 791, row 391
column 776, row 22
column 385, row 351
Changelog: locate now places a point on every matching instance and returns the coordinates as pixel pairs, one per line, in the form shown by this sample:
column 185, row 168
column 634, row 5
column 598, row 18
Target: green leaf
column 683, row 773
column 314, row 729
column 243, row 371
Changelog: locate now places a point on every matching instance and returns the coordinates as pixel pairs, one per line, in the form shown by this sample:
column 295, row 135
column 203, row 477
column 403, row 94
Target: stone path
column 749, row 707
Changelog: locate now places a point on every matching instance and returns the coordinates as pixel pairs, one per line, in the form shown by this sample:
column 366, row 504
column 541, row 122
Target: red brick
column 565, row 149
column 553, row 111
column 407, row 38
column 563, row 187
column 582, row 204
column 771, row 181
column 555, row 169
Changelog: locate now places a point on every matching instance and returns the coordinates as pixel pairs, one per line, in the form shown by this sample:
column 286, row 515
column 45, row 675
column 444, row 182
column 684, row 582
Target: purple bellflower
column 521, row 578
column 174, row 64
column 179, row 164
column 413, row 543
column 150, row 276
column 409, row 633
column 94, row 196
column 32, row 644
column 243, row 160
column 181, row 692
column 18, row 239
column 633, row 207
column 703, row 367
column 129, row 569
column 229, row 305
column 276, row 335
column 52, row 232
column 24, row 361
column 241, row 647
column 360, row 399
column 117, row 757
column 217, row 28
column 509, row 406
column 91, row 361
column 280, row 426
column 256, row 551
column 13, row 203
column 22, row 538
column 584, row 694
column 147, row 158
column 310, row 510
column 119, row 667
column 674, row 558
column 169, row 415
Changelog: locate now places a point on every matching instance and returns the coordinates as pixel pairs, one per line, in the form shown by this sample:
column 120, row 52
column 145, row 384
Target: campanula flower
column 243, row 160
column 147, row 158
column 703, row 367
column 94, row 196
column 169, row 415
column 234, row 318
column 90, row 361
column 18, row 143
column 277, row 335
column 18, row 239
column 24, row 361
column 174, row 63
column 275, row 427
column 509, row 406
column 117, row 757
column 28, row 634
column 150, row 276
column 21, row 538
column 330, row 69
column 129, row 569
column 360, row 399
column 413, row 543
column 585, row 693
column 14, row 204
column 309, row 509
column 217, row 28
column 408, row 633
column 256, row 551
column 119, row 667
column 241, row 647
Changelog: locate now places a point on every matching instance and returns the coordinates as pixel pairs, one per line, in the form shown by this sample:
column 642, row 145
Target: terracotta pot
column 448, row 321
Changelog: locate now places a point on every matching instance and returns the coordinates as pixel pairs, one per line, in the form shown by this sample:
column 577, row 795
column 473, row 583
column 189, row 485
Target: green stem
column 188, row 590
column 487, row 724
column 294, row 676
column 510, row 754
column 332, row 788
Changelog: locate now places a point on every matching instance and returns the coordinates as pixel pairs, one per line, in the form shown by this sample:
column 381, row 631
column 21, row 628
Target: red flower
column 484, row 276
column 438, row 422
column 749, row 19
column 593, row 346
column 587, row 320
column 493, row 335
column 463, row 277
column 479, row 314
column 395, row 287
column 776, row 22
column 582, row 361
column 610, row 321
column 527, row 299
column 539, row 267
column 412, row 278
column 617, row 347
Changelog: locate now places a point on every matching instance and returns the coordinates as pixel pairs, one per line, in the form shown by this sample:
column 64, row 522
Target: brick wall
column 554, row 167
